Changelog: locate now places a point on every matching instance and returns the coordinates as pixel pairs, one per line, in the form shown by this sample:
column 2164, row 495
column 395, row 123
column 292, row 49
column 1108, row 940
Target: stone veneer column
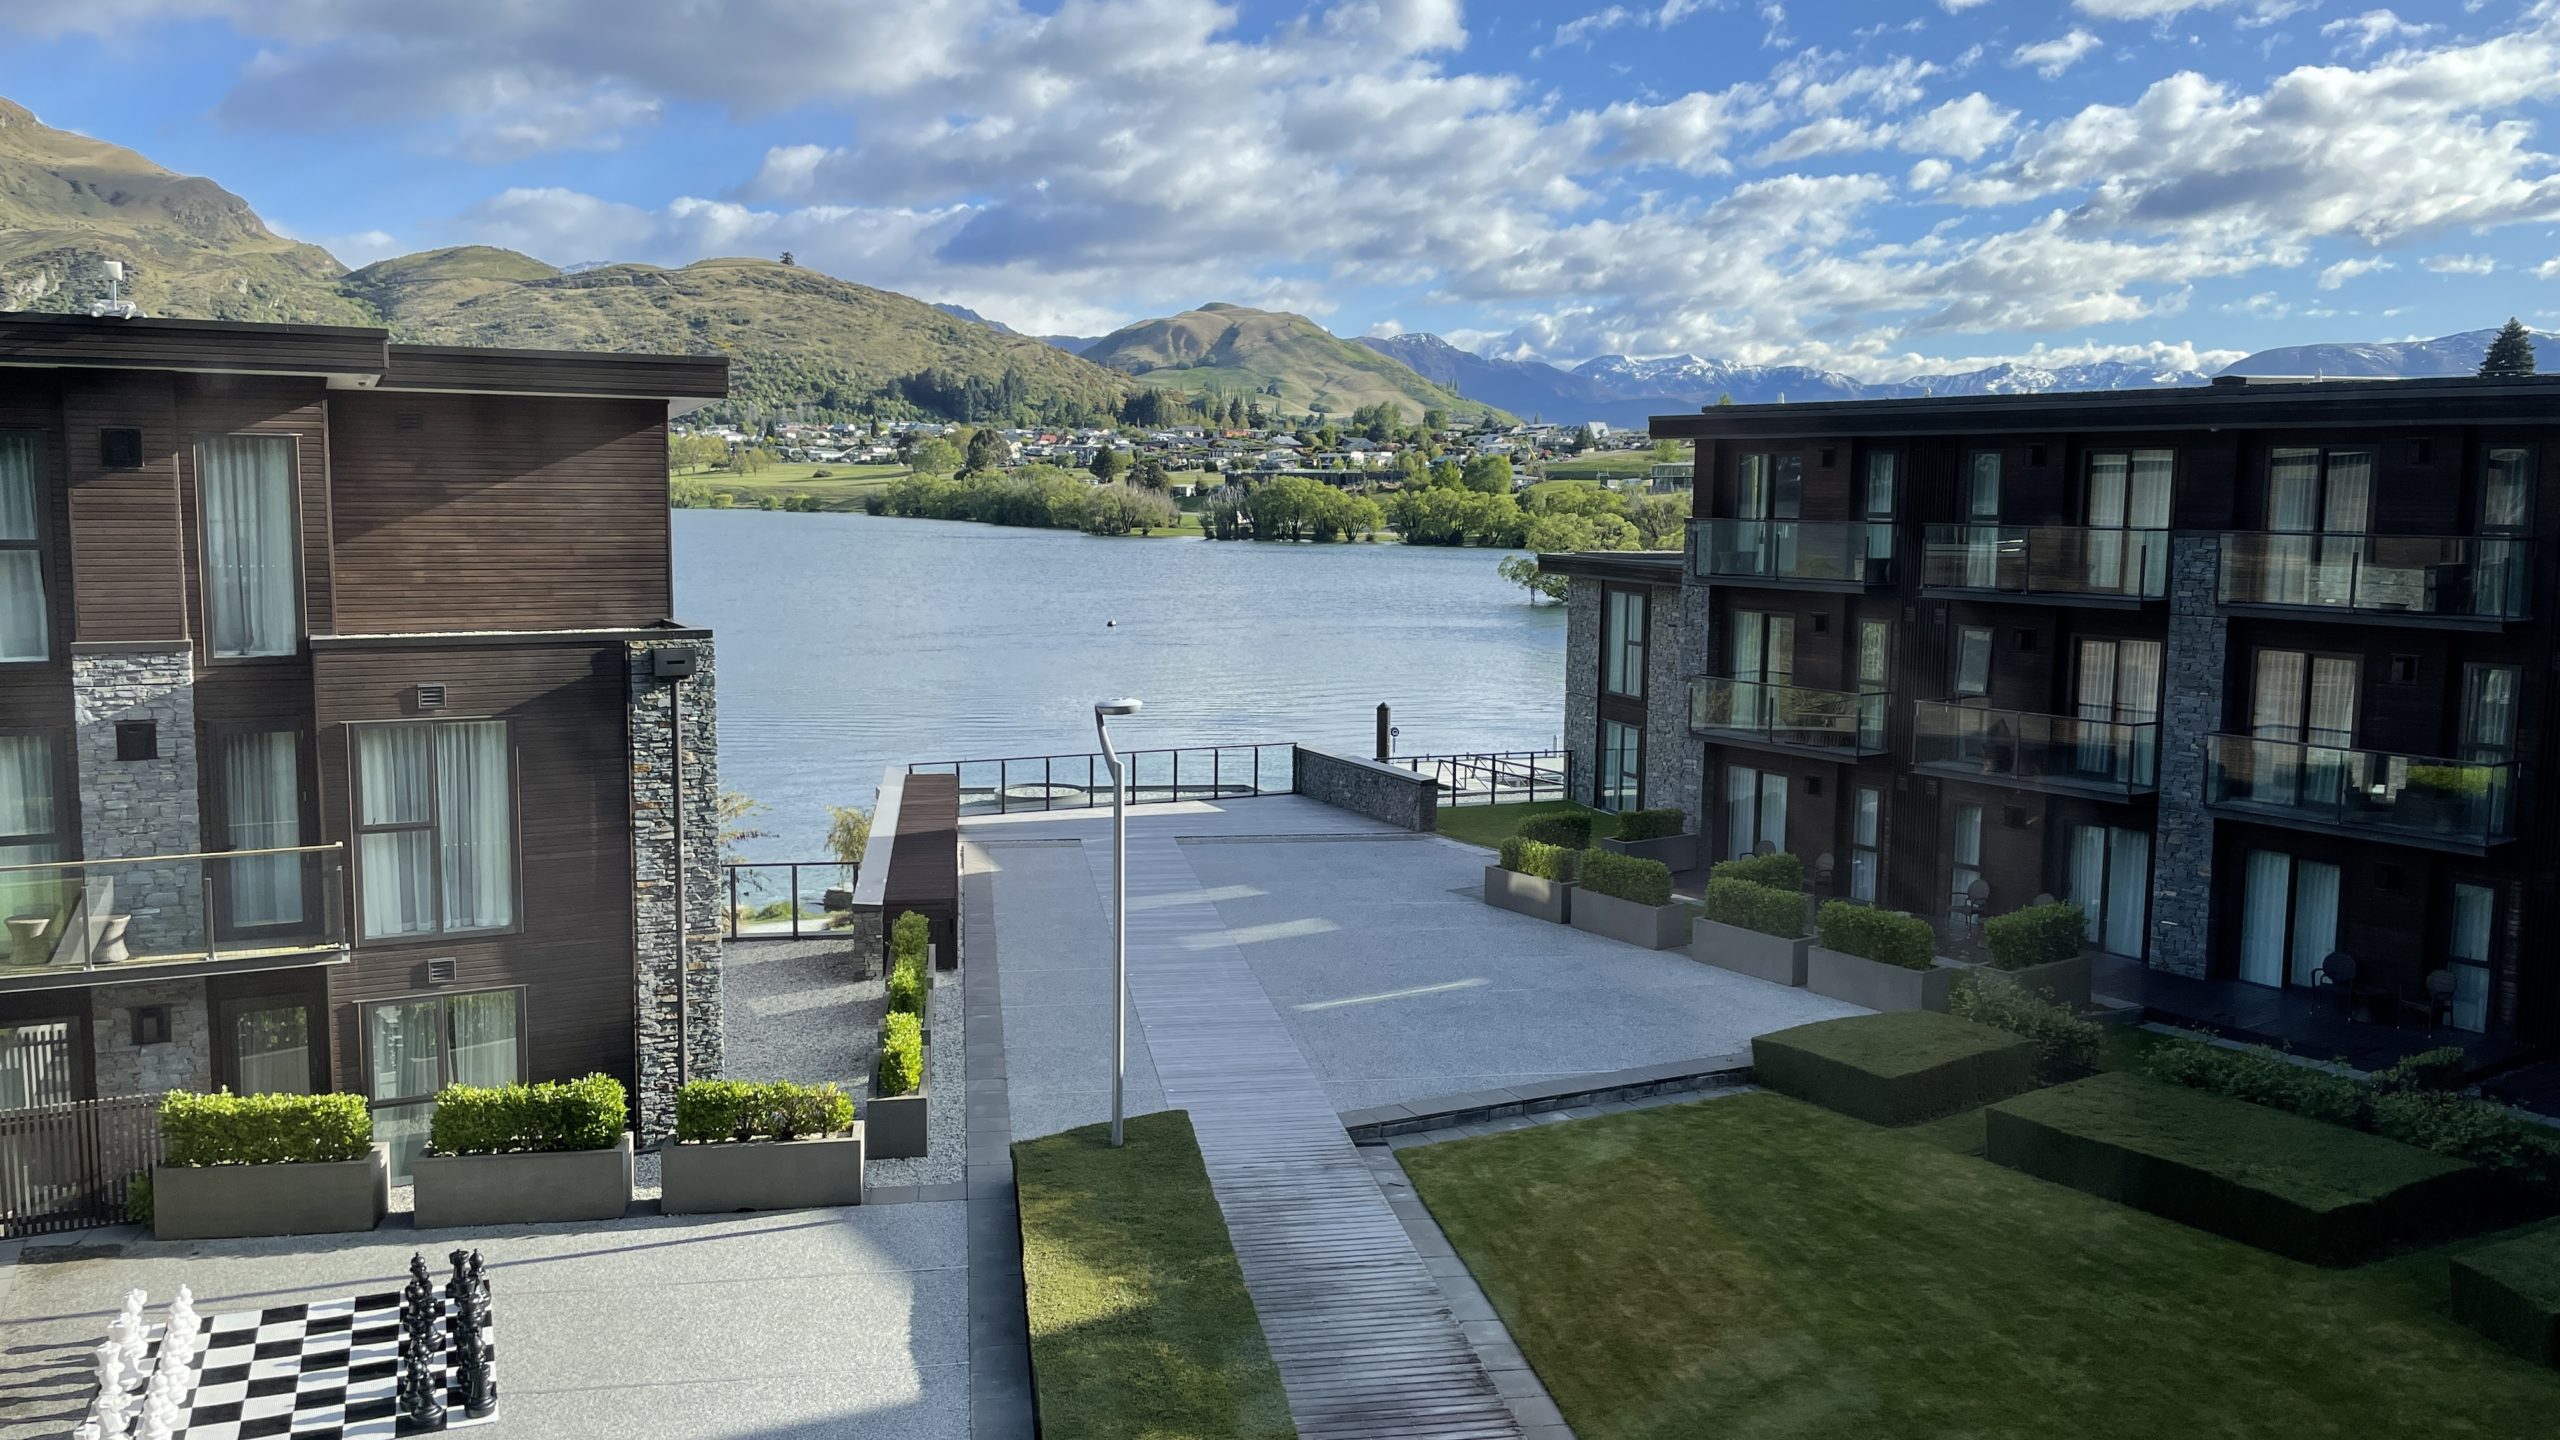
column 1582, row 685
column 1675, row 649
column 184, row 1062
column 2182, row 846
column 654, row 758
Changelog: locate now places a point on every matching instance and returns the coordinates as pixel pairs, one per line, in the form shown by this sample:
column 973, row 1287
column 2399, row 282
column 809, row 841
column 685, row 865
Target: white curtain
column 1968, row 856
column 2489, row 713
column 2270, row 882
column 2096, row 754
column 2275, row 719
column 2315, row 917
column 2147, row 512
column 2128, row 893
column 26, row 810
column 1880, row 484
column 1773, row 809
column 252, row 598
column 2473, row 905
column 23, row 624
column 394, row 787
column 262, row 793
column 1982, row 538
column 2138, row 705
column 2109, row 473
column 1741, row 806
column 2089, row 873
column 1865, row 841
column 477, row 823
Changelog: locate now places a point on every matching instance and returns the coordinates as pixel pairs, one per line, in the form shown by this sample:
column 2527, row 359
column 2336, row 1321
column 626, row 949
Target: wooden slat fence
column 65, row 1167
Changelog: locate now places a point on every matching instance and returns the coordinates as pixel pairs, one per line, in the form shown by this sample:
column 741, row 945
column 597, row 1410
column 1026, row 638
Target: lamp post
column 1103, row 710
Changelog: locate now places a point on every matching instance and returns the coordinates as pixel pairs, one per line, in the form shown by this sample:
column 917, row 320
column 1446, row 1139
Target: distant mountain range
column 2445, row 355
column 1287, row 362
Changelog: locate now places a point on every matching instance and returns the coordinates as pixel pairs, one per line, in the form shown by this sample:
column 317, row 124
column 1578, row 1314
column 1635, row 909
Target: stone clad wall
column 140, row 807
column 1364, row 787
column 2182, row 858
column 1675, row 649
column 1582, row 685
column 184, row 1062
column 653, row 847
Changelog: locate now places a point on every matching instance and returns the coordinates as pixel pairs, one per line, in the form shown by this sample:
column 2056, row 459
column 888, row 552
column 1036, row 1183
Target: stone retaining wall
column 1364, row 787
column 654, row 758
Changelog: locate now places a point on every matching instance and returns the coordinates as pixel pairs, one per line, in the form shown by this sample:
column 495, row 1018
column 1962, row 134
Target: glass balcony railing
column 72, row 918
column 2046, row 560
column 2454, row 576
column 2120, row 757
column 2464, row 800
column 1817, row 551
column 1836, row 720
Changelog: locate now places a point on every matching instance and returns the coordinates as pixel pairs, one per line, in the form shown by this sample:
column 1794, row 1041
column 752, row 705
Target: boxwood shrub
column 1883, row 935
column 909, row 935
column 1628, row 877
column 2066, row 1045
column 227, row 1129
column 2036, row 935
column 1777, row 869
column 1566, row 831
column 713, row 1110
column 1531, row 857
column 584, row 1114
column 1764, row 908
column 1651, row 824
column 901, row 1056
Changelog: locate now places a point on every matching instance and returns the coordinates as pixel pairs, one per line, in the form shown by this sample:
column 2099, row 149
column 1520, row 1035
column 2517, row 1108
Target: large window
column 25, row 628
column 27, row 821
column 1866, row 845
column 1973, row 661
column 261, row 790
column 2474, row 907
column 252, row 593
column 435, row 827
column 1755, row 804
column 416, row 1047
column 1623, row 645
column 2288, row 918
column 2111, row 882
column 1621, row 766
column 1967, row 854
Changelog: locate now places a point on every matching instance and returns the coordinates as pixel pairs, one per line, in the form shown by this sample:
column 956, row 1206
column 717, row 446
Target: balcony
column 2058, row 564
column 108, row 922
column 2058, row 754
column 1795, row 554
column 2459, row 805
column 1840, row 724
column 2453, row 581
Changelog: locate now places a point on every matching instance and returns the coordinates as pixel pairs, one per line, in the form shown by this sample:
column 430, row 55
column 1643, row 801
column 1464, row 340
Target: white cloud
column 2547, row 270
column 2253, row 12
column 1929, row 174
column 1958, row 7
column 2346, row 270
column 2459, row 264
column 2051, row 57
column 2372, row 28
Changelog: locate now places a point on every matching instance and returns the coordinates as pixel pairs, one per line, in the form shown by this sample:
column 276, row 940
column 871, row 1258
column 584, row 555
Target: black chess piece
column 421, row 1397
column 480, row 1278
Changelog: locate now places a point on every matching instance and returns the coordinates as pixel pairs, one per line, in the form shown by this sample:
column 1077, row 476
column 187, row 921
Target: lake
column 847, row 642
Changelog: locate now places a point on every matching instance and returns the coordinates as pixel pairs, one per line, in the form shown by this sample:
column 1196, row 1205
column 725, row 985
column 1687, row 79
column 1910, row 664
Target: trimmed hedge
column 2279, row 1182
column 2066, row 1045
column 1884, row 935
column 1568, row 832
column 584, row 1114
column 1534, row 857
column 1777, row 869
column 1651, row 824
column 901, row 1056
column 1626, row 877
column 2036, row 935
column 2510, row 1292
column 909, row 935
column 1894, row 1069
column 714, row 1110
column 1764, row 908
column 227, row 1129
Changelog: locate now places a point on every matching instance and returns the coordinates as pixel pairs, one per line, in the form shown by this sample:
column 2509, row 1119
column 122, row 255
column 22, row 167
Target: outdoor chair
column 2341, row 973
column 2433, row 1003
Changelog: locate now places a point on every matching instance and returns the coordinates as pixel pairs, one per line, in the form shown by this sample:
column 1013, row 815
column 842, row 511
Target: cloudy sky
column 1881, row 187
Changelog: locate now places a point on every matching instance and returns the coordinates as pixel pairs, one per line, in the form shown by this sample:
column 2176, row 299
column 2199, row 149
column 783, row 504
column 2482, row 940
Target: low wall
column 1365, row 787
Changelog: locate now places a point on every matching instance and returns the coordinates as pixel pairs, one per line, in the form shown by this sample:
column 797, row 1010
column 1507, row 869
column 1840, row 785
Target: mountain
column 1523, row 387
column 1289, row 359
column 2445, row 355
column 1072, row 344
column 963, row 312
column 1687, row 377
column 2011, row 379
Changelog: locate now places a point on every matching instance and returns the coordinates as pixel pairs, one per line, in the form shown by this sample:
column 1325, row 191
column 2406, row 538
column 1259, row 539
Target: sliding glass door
column 416, row 1047
column 1755, row 803
column 2111, row 882
column 261, row 783
column 2289, row 918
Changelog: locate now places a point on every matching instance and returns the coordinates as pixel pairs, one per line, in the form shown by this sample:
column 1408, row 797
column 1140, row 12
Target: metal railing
column 70, row 917
column 2119, row 757
column 2376, row 790
column 1083, row 782
column 68, row 1166
column 1495, row 777
column 751, row 913
column 2488, row 578
column 2046, row 560
column 1851, row 552
column 1798, row 715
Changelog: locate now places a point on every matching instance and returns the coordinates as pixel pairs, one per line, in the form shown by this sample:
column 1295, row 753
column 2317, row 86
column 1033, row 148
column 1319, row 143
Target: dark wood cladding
column 462, row 513
column 128, row 550
column 573, row 944
column 210, row 406
column 557, row 372
column 2328, row 406
column 924, row 868
column 78, row 340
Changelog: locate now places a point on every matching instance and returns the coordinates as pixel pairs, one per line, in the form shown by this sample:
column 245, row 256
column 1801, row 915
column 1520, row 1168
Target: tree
column 1583, row 439
column 734, row 810
column 848, row 832
column 1149, row 474
column 695, row 452
column 787, row 260
column 935, row 456
column 1522, row 570
column 1435, row 419
column 2510, row 354
column 1725, row 399
column 1667, row 452
column 1490, row 474
column 1658, row 519
column 986, row 452
column 1107, row 464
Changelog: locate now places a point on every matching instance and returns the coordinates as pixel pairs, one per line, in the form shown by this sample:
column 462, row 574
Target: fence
column 66, row 1167
column 1026, row 783
column 1496, row 777
column 751, row 915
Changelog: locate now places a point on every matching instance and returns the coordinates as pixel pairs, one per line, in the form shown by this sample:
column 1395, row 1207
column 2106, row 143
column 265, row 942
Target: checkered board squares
column 329, row 1370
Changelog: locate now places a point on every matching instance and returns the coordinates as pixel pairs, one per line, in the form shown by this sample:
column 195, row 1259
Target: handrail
column 332, row 847
column 1808, row 716
column 2481, row 577
column 2116, row 756
column 729, row 874
column 1079, row 781
column 2125, row 564
column 1506, row 776
column 2361, row 787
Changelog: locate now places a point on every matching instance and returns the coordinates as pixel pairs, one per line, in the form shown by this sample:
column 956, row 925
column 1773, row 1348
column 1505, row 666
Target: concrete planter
column 2064, row 982
column 1873, row 983
column 525, row 1188
column 222, row 1202
column 1529, row 895
column 894, row 1126
column 1773, row 958
column 1655, row 927
column 1680, row 852
column 803, row 1174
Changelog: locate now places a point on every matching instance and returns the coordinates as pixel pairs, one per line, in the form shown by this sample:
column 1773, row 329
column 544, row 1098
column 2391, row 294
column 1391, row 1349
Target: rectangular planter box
column 522, row 1189
column 2064, row 982
column 1655, row 927
column 893, row 1126
column 221, row 1202
column 1873, row 983
column 1529, row 895
column 761, row 1174
column 1773, row 958
column 1680, row 852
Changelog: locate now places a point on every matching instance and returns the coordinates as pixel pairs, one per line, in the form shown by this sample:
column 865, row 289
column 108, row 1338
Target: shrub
column 1627, row 877
column 907, row 984
column 583, row 1114
column 1567, row 832
column 2438, row 1069
column 911, row 935
column 2036, row 935
column 2263, row 1077
column 2066, row 1045
column 1764, row 908
column 901, row 1056
column 1884, row 935
column 1894, row 1069
column 137, row 1199
column 227, row 1129
column 1651, row 824
column 1531, row 857
column 712, row 1110
column 1777, row 869
column 2472, row 1130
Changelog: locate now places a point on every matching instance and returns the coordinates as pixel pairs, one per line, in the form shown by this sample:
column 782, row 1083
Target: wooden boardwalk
column 1365, row 1342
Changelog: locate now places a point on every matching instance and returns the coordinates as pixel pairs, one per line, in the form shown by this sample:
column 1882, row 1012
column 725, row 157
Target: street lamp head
column 1126, row 706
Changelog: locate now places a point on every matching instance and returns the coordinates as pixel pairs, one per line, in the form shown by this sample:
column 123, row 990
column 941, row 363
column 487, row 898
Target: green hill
column 1288, row 359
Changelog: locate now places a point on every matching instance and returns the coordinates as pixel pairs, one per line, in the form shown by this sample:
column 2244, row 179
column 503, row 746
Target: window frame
column 1613, row 642
column 2319, row 489
column 357, row 830
column 1603, row 783
column 216, row 805
column 41, row 546
column 55, row 758
column 444, row 1053
column 1957, row 683
column 2487, row 964
column 1860, row 848
column 204, row 549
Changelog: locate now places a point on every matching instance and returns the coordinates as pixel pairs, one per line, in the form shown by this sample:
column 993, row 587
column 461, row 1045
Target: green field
column 841, row 489
column 1605, row 462
column 1490, row 825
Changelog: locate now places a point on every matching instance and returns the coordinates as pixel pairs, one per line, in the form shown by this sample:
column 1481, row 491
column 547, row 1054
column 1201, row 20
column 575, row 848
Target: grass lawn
column 1541, row 489
column 1490, row 825
column 842, row 488
column 1140, row 1324
column 1601, row 462
column 1757, row 1267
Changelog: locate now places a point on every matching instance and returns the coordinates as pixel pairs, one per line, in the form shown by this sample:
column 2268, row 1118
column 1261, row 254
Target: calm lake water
column 851, row 641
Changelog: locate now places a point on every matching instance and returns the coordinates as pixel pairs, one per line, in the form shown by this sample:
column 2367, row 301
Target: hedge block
column 2510, row 1292
column 1895, row 1069
column 2296, row 1187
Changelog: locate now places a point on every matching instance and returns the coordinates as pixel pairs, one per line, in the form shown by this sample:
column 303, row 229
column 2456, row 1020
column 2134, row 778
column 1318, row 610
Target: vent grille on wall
column 441, row 971
column 409, row 420
column 120, row 448
column 429, row 696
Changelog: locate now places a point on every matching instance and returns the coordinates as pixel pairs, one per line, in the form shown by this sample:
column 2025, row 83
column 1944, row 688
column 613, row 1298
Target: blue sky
column 1878, row 187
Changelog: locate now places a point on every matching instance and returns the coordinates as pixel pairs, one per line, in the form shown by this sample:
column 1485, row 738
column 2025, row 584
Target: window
column 25, row 626
column 1875, row 651
column 260, row 781
column 1621, row 766
column 38, row 1065
column 1968, row 857
column 270, row 1047
column 2318, row 502
column 2474, row 907
column 435, row 827
column 1973, row 661
column 2288, row 918
column 1866, row 844
column 2127, row 511
column 2489, row 713
column 1879, row 504
column 416, row 1047
column 1624, row 644
column 252, row 595
column 2119, row 697
column 2111, row 882
column 27, row 819
column 1755, row 810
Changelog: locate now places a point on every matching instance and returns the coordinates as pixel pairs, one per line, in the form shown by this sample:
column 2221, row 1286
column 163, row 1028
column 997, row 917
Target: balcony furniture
column 2053, row 753
column 2046, row 563
column 26, row 937
column 1850, row 555
column 2454, row 581
column 1844, row 724
column 2433, row 1004
column 2464, row 806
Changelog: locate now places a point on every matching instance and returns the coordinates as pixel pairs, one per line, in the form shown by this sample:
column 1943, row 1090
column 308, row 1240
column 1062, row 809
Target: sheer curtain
column 26, row 810
column 1773, row 808
column 2089, row 874
column 1741, row 802
column 2270, row 883
column 2275, row 720
column 251, row 601
column 2128, row 893
column 2108, row 474
column 2293, row 489
column 394, row 787
column 2348, row 502
column 1982, row 538
column 2147, row 511
column 484, row 1039
column 2138, row 705
column 1968, row 855
column 2473, row 906
column 262, row 795
column 2315, row 917
column 23, row 624
column 2097, row 755
column 477, row 825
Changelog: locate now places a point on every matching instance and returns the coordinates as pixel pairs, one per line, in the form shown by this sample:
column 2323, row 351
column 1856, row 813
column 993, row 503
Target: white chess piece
column 87, row 1430
column 126, row 1332
column 114, row 1408
column 111, row 1374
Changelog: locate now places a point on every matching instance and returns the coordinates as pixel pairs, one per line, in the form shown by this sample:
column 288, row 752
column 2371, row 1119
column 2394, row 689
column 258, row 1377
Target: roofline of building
column 1635, row 567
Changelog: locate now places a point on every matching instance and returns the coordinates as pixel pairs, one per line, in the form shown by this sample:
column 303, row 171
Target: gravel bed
column 946, row 1076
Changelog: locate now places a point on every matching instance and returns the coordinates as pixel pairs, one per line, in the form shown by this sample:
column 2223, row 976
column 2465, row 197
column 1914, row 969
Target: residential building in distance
column 346, row 738
column 2259, row 673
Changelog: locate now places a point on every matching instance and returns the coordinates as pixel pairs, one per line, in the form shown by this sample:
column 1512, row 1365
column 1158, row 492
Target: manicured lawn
column 1490, row 825
column 1601, row 462
column 841, row 489
column 1140, row 1324
column 1756, row 1267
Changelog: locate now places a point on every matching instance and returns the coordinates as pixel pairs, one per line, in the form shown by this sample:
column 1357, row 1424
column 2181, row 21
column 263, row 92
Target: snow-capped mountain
column 2445, row 355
